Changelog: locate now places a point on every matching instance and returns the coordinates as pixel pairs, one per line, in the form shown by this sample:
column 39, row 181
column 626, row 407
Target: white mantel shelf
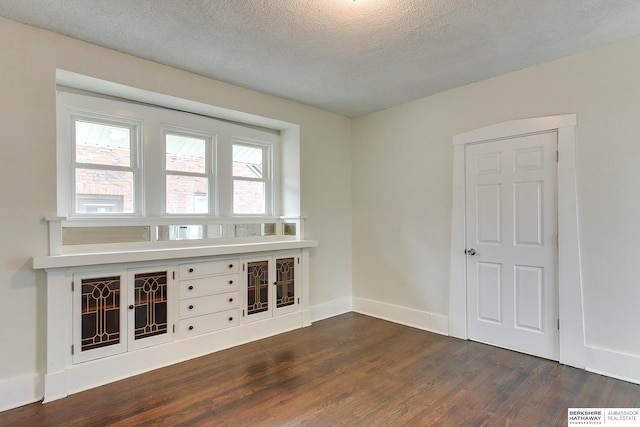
column 116, row 257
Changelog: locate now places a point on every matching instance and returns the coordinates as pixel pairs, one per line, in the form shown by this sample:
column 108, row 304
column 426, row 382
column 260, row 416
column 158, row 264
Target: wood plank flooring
column 349, row 370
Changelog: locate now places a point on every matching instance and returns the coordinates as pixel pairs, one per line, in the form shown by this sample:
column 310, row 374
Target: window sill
column 141, row 255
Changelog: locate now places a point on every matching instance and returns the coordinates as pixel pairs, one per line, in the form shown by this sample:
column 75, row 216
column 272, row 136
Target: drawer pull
column 191, row 287
column 190, row 307
column 230, row 265
column 191, row 328
column 131, row 307
column 230, row 319
column 191, row 270
column 231, row 282
column 230, row 299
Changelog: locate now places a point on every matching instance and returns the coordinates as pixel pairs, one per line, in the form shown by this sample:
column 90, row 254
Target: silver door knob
column 471, row 251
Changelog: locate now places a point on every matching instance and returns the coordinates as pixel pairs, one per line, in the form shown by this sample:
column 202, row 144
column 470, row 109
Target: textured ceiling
column 350, row 57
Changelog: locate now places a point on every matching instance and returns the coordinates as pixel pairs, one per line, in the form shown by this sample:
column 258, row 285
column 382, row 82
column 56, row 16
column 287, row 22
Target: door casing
column 572, row 349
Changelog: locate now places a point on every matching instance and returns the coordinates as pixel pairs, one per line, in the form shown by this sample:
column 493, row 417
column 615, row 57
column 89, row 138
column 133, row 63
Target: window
column 121, row 159
column 189, row 173
column 105, row 173
column 250, row 179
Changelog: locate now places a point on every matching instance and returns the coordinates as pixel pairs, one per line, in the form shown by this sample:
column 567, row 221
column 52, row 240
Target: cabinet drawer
column 209, row 323
column 199, row 269
column 209, row 285
column 209, row 304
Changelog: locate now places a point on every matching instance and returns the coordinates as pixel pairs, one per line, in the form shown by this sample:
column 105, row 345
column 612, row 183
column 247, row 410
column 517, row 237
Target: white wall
column 395, row 178
column 28, row 187
column 402, row 177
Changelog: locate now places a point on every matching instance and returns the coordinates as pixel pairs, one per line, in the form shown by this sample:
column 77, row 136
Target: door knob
column 471, row 251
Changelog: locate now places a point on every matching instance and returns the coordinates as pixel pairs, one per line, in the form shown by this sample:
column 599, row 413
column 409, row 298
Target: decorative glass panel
column 257, row 287
column 285, row 282
column 100, row 312
column 289, row 229
column 252, row 230
column 182, row 232
column 110, row 234
column 150, row 294
column 103, row 144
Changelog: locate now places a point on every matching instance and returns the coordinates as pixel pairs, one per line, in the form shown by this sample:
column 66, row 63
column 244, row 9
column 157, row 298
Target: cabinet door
column 150, row 307
column 99, row 320
column 258, row 292
column 286, row 284
column 272, row 285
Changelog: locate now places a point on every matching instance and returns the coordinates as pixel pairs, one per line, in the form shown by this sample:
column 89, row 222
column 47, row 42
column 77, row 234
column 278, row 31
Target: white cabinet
column 271, row 285
column 119, row 311
column 113, row 315
column 208, row 296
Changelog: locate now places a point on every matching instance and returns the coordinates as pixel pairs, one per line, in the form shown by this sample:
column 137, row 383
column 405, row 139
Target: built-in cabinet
column 112, row 316
column 209, row 296
column 271, row 286
column 119, row 311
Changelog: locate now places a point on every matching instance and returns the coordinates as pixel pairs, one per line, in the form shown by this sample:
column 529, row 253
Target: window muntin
column 189, row 173
column 105, row 167
column 251, row 179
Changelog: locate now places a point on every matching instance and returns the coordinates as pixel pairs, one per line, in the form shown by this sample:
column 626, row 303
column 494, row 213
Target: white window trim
column 268, row 166
column 210, row 168
column 135, row 127
column 151, row 204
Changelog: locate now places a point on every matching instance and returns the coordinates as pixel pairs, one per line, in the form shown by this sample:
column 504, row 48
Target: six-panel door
column 512, row 295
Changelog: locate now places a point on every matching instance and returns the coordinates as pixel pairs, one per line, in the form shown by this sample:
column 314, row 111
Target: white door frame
column 572, row 342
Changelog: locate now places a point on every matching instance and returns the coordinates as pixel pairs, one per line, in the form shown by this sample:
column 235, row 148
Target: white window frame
column 267, row 176
column 135, row 156
column 150, row 124
column 210, row 169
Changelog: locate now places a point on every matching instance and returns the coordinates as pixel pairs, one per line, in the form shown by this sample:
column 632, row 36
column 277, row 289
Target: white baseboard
column 424, row 320
column 20, row 391
column 613, row 364
column 331, row 308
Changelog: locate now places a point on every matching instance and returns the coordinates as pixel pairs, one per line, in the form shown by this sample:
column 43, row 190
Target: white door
column 511, row 220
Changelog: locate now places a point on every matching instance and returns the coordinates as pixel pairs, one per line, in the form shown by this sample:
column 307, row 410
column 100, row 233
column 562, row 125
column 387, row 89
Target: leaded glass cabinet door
column 285, row 284
column 150, row 307
column 258, row 291
column 99, row 317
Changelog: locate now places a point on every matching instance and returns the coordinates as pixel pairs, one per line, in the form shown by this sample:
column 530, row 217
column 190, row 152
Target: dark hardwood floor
column 349, row 370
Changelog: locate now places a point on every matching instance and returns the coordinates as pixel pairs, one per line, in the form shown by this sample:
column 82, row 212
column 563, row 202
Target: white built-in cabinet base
column 218, row 326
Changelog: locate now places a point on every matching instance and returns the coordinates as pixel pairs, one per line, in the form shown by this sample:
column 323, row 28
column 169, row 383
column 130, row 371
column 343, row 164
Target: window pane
column 248, row 197
column 187, row 194
column 104, row 191
column 247, row 161
column 103, row 144
column 186, row 154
